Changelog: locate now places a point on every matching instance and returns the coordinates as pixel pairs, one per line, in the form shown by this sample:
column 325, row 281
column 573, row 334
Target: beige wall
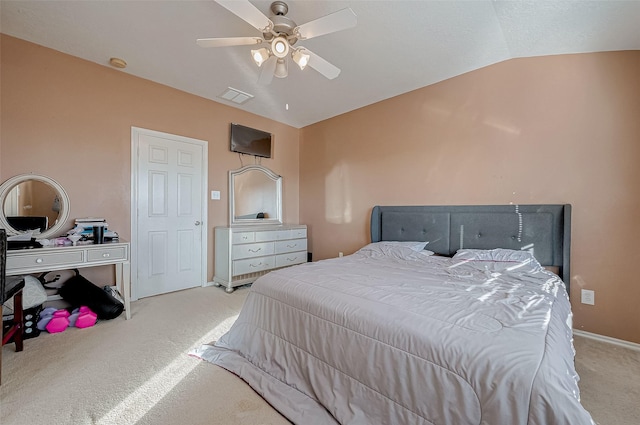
column 71, row 120
column 557, row 129
column 539, row 130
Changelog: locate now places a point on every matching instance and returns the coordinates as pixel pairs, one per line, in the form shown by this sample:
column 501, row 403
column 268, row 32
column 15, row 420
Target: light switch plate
column 588, row 297
column 215, row 194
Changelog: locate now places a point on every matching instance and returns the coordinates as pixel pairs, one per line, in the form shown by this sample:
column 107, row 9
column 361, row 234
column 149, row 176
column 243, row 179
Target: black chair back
column 3, row 263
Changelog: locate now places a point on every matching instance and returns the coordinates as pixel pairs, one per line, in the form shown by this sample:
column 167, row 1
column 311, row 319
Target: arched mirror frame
column 63, row 214
column 233, row 196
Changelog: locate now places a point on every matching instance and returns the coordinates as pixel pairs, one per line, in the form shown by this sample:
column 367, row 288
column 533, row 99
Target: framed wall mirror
column 255, row 196
column 33, row 202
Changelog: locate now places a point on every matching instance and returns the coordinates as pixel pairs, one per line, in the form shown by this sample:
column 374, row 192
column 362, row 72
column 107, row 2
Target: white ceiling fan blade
column 228, row 41
column 268, row 68
column 337, row 21
column 248, row 12
column 322, row 66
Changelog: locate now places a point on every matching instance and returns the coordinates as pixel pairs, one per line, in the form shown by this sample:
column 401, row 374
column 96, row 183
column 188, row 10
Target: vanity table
column 31, row 198
column 39, row 260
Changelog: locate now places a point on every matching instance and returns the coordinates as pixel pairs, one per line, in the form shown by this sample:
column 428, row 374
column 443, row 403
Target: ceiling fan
column 281, row 33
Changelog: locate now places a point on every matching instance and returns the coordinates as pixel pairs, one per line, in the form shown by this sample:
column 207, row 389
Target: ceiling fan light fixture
column 301, row 59
column 280, row 47
column 281, row 69
column 260, row 55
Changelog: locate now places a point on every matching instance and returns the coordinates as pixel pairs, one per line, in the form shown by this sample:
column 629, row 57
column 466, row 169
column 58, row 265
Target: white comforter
column 391, row 336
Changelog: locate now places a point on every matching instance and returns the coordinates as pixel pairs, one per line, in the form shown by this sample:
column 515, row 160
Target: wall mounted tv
column 250, row 141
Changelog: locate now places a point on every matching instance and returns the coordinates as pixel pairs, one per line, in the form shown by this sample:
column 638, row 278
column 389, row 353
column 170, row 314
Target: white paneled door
column 169, row 222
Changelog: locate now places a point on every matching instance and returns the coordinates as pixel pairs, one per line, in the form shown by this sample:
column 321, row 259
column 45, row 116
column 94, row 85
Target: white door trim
column 135, row 131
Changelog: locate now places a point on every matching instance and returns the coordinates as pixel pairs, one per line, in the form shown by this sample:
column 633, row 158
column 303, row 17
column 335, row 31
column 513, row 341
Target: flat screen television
column 250, row 141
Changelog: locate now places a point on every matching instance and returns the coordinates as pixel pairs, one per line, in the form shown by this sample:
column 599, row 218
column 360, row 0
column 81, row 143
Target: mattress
column 390, row 335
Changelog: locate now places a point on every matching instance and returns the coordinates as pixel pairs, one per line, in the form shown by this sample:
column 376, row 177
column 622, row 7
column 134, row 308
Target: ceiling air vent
column 235, row 95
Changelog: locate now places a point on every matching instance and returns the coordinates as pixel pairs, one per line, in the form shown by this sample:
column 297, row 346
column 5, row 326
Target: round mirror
column 33, row 202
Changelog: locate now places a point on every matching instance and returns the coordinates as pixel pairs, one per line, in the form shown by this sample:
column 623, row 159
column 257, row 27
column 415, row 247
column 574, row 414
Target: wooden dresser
column 244, row 253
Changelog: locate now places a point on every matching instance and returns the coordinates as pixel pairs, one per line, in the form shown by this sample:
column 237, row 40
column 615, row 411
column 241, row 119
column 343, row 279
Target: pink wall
column 560, row 129
column 71, row 120
column 556, row 129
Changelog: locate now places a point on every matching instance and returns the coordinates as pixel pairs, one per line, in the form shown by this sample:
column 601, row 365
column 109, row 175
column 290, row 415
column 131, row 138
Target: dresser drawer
column 252, row 265
column 42, row 259
column 291, row 245
column 243, row 237
column 272, row 235
column 291, row 258
column 298, row 233
column 106, row 254
column 253, row 250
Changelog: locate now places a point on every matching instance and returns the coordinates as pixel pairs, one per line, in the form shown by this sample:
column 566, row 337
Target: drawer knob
column 105, row 255
column 255, row 265
column 39, row 260
column 255, row 250
column 292, row 246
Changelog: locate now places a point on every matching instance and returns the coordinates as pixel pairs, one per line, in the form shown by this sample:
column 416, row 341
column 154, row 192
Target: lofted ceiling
column 396, row 46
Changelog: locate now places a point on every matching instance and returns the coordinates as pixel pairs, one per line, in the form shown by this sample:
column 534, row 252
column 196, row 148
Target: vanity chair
column 10, row 287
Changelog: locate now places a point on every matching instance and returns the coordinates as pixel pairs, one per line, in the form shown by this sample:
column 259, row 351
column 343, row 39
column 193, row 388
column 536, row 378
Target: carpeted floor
column 138, row 371
column 609, row 381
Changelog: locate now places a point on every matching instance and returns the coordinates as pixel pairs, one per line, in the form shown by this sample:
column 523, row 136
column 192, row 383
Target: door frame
column 135, row 132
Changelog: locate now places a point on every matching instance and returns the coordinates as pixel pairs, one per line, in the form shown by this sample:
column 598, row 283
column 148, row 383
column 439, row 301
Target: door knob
column 198, row 223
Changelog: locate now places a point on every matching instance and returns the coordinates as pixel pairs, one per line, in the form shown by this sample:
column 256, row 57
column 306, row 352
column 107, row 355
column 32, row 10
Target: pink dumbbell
column 59, row 322
column 86, row 318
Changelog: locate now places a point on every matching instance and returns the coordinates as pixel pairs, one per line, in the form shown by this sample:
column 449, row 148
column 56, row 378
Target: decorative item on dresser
column 244, row 253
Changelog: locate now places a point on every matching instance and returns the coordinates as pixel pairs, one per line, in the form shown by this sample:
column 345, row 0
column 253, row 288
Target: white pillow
column 401, row 250
column 414, row 245
column 498, row 254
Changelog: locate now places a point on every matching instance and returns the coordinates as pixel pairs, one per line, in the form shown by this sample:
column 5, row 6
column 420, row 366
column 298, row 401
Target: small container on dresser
column 244, row 253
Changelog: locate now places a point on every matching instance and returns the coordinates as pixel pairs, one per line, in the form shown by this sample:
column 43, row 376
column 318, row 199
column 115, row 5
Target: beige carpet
column 133, row 371
column 609, row 381
column 138, row 371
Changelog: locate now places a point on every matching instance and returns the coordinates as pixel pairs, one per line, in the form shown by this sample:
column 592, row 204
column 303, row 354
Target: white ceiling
column 396, row 47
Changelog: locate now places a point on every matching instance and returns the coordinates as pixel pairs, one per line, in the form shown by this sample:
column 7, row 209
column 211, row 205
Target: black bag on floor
column 78, row 291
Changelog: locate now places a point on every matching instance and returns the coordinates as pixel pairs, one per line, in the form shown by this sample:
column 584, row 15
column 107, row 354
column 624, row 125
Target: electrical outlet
column 588, row 297
column 340, row 254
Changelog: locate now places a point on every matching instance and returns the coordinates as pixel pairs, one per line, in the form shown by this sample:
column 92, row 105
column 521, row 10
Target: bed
column 449, row 316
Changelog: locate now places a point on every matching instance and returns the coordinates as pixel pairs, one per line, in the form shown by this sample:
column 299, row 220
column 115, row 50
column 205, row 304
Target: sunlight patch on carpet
column 137, row 404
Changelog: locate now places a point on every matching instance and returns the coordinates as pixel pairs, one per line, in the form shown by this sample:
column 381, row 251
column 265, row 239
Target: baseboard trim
column 608, row 339
column 207, row 284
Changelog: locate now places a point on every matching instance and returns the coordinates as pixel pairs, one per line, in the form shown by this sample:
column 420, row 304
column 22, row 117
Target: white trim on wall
column 608, row 339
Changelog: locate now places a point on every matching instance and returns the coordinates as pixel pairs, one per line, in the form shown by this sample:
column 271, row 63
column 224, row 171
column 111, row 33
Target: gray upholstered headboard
column 543, row 229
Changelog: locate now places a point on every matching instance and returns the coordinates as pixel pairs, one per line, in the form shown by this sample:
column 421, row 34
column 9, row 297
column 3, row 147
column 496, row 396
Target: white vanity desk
column 36, row 260
column 46, row 201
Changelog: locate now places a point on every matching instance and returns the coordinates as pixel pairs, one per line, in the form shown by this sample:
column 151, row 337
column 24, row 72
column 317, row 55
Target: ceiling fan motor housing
column 282, row 25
